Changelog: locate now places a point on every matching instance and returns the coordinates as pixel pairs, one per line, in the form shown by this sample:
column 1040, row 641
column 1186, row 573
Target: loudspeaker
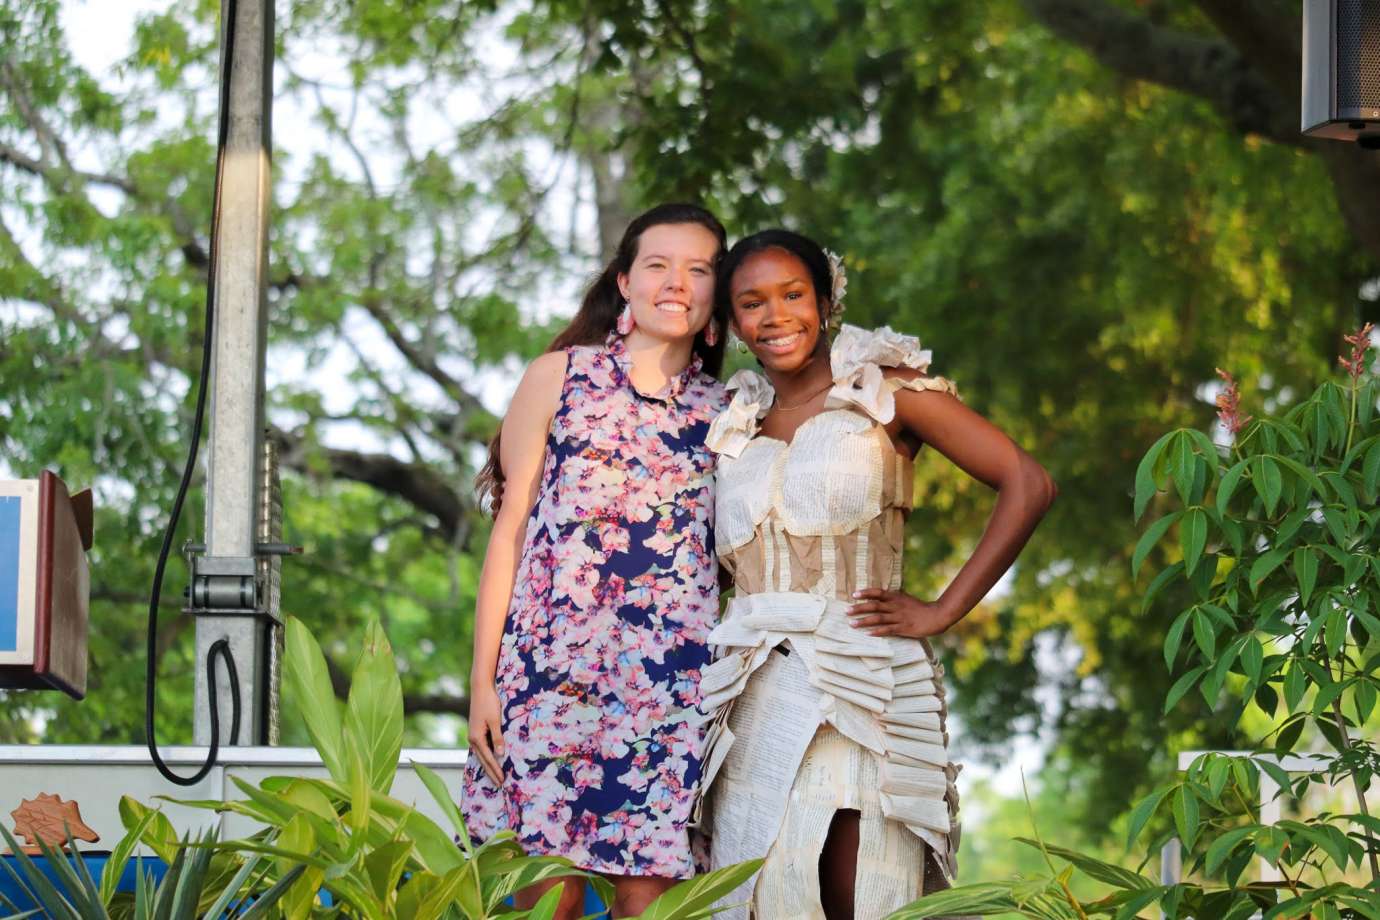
column 1341, row 70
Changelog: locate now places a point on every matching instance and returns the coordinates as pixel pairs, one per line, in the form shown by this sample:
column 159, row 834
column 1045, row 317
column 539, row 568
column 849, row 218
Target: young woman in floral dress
column 599, row 586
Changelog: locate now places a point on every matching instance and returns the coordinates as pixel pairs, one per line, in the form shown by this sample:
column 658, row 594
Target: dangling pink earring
column 625, row 319
column 711, row 333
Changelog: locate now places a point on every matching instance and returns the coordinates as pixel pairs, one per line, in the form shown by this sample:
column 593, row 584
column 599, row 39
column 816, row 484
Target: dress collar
column 856, row 359
column 618, row 350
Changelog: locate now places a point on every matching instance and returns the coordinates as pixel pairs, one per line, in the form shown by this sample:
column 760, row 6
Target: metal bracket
column 230, row 585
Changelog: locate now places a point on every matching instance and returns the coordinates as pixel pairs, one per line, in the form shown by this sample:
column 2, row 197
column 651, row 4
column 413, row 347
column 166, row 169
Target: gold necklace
column 806, row 401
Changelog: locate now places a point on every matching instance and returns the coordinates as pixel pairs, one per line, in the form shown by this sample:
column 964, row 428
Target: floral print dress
column 617, row 590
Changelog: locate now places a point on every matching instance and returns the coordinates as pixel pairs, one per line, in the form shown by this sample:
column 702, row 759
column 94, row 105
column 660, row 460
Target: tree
column 1079, row 244
column 1083, row 237
column 409, row 256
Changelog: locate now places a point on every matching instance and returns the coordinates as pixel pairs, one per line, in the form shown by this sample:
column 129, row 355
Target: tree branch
column 419, row 485
column 1202, row 66
column 420, row 358
column 1266, row 32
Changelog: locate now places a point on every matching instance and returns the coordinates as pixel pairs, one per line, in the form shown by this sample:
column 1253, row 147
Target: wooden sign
column 44, row 584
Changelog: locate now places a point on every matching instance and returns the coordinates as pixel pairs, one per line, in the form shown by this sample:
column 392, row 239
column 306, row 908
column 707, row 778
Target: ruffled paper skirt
column 846, row 720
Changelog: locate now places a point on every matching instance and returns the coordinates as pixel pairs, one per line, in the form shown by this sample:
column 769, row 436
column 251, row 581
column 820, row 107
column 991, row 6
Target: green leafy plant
column 199, row 882
column 379, row 857
column 1278, row 538
column 375, row 856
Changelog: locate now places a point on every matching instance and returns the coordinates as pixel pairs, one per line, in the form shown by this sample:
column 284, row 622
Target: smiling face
column 776, row 311
column 670, row 284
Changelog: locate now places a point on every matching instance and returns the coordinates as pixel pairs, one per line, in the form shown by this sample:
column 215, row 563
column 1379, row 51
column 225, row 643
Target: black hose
column 222, row 646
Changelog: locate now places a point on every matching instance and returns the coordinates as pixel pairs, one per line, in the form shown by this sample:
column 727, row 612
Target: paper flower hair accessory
column 838, row 286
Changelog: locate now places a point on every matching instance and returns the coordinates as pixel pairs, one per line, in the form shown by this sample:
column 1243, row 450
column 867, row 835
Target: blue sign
column 10, row 507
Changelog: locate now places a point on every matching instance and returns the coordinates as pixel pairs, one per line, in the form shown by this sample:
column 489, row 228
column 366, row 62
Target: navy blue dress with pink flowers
column 598, row 672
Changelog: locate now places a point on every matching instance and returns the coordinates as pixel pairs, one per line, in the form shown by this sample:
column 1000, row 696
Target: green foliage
column 1279, row 537
column 377, row 857
column 199, row 882
column 1079, row 248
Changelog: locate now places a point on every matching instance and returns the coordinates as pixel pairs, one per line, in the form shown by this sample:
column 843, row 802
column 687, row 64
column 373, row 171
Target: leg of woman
column 572, row 902
column 632, row 893
column 838, row 866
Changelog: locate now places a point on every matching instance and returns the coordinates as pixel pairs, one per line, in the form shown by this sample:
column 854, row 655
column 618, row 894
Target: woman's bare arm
column 522, row 456
column 1024, row 489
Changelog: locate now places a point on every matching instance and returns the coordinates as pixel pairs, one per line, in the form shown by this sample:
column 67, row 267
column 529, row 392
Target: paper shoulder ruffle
column 857, row 358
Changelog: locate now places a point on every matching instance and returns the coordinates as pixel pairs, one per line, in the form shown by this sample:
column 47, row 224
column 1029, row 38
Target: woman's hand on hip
column 486, row 730
column 896, row 613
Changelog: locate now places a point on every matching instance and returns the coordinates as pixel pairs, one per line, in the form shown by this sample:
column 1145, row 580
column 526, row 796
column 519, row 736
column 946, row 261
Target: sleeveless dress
column 599, row 667
column 810, row 715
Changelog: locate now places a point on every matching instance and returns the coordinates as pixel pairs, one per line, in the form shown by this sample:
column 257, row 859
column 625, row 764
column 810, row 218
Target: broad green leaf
column 1110, row 873
column 384, row 866
column 360, row 789
column 1221, row 848
column 1153, row 534
column 1280, row 777
column 1336, row 524
column 545, row 908
column 310, row 798
column 1204, row 634
column 1266, row 564
column 1364, row 699
column 374, row 713
column 1334, row 632
column 436, row 849
column 1252, row 658
column 699, row 894
column 1306, row 570
column 1158, row 582
column 1227, row 487
column 1185, row 810
column 1174, row 637
column 444, row 895
column 983, row 899
column 1370, row 470
column 1144, row 810
column 1268, row 482
column 158, row 835
column 1145, row 474
column 1270, row 843
column 119, row 857
column 1206, row 450
column 1185, row 464
column 309, row 685
column 1182, row 686
column 1288, row 736
column 1295, row 685
column 1289, row 527
column 1192, row 537
column 1305, row 474
column 441, row 795
column 263, row 904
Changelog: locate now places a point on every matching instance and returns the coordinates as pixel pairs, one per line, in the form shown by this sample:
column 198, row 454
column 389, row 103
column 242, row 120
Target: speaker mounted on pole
column 1341, row 70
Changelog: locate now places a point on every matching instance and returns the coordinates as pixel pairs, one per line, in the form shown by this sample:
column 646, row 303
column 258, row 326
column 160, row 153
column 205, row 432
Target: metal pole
column 237, row 374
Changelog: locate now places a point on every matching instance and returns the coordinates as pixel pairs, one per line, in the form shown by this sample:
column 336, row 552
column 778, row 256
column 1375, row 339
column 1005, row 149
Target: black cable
column 221, row 646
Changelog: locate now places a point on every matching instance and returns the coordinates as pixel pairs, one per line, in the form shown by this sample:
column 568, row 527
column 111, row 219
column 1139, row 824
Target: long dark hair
column 798, row 245
column 598, row 316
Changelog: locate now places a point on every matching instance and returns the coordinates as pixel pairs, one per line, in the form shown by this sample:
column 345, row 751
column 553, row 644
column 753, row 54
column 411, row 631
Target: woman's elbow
column 1039, row 485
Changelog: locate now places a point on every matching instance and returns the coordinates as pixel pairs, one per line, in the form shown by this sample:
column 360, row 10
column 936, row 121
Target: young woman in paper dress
column 599, row 586
column 827, row 751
